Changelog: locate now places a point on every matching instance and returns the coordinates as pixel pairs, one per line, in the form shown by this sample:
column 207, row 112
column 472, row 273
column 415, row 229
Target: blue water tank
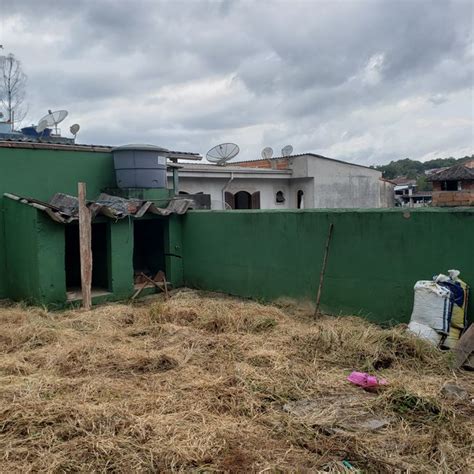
column 140, row 166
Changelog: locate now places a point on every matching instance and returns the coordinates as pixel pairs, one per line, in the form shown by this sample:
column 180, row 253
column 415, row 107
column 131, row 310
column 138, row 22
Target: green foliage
column 414, row 169
column 423, row 184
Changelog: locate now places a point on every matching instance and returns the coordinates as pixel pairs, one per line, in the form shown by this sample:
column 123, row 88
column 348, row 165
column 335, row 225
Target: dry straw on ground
column 208, row 383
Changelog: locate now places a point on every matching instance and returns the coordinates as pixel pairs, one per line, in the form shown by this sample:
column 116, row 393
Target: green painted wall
column 41, row 173
column 121, row 258
column 21, row 275
column 375, row 258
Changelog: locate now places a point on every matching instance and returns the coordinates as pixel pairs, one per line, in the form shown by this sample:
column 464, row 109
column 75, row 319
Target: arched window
column 243, row 200
column 300, row 199
column 280, row 197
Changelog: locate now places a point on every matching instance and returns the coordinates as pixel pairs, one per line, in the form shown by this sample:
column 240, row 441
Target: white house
column 292, row 182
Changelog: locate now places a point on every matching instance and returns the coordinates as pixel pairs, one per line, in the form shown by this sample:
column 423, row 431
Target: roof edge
column 307, row 154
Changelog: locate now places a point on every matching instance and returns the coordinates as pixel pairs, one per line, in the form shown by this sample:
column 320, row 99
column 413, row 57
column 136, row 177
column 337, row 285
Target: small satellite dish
column 222, row 153
column 287, row 150
column 267, row 153
column 74, row 129
column 53, row 118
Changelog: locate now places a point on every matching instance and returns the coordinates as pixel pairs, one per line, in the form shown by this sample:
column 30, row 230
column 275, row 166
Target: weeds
column 209, row 383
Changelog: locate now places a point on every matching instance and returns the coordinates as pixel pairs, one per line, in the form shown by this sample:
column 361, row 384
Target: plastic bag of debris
column 432, row 306
column 439, row 309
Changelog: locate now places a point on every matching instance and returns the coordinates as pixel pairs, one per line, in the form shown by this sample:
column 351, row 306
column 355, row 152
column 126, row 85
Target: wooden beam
column 85, row 246
column 323, row 270
column 464, row 347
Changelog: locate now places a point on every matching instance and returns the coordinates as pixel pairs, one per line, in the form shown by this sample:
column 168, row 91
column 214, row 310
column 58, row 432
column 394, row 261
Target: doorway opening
column 100, row 258
column 243, row 200
column 300, row 199
column 148, row 248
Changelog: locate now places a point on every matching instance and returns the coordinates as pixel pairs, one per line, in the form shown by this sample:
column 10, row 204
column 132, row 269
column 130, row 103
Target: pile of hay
column 211, row 383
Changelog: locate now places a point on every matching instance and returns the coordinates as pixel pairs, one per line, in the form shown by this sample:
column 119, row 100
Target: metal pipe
column 225, row 187
column 175, row 181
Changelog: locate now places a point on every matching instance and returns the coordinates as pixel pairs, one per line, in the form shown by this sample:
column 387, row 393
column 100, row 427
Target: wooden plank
column 323, row 270
column 137, row 293
column 85, row 246
column 464, row 347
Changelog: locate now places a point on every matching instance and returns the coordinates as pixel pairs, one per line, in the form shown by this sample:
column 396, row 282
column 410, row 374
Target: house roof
column 51, row 145
column 403, row 181
column 306, row 154
column 230, row 167
column 64, row 208
column 454, row 173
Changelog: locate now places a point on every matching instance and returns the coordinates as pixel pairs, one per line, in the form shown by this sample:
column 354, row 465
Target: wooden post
column 464, row 347
column 323, row 270
column 85, row 246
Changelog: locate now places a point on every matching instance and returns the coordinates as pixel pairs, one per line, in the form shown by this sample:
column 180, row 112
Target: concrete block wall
column 376, row 256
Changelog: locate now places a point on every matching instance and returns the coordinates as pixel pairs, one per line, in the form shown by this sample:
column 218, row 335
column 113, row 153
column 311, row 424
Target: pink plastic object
column 365, row 380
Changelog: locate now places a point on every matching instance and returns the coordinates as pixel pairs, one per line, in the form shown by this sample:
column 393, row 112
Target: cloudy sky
column 364, row 81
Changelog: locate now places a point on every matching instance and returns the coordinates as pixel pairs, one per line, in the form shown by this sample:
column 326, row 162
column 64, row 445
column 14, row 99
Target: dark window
column 449, row 186
column 280, row 197
column 300, row 199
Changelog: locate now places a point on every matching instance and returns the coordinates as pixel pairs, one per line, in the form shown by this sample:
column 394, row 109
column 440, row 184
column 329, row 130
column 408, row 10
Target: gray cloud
column 367, row 81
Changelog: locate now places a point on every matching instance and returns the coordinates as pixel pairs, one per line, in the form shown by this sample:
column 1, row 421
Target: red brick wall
column 453, row 198
column 279, row 164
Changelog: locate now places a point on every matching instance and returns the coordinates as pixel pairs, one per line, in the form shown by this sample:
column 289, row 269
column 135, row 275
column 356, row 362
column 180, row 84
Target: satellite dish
column 287, row 150
column 74, row 129
column 267, row 153
column 53, row 118
column 40, row 128
column 222, row 153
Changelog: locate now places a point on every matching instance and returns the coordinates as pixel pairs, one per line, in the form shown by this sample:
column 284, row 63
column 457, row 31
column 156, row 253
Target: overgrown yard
column 213, row 384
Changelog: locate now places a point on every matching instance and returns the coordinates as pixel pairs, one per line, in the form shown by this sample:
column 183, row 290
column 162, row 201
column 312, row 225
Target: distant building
column 299, row 181
column 454, row 186
column 407, row 194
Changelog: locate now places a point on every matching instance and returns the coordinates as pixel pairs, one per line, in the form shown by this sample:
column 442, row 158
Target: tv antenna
column 222, row 153
column 287, row 150
column 53, row 118
column 267, row 153
column 74, row 129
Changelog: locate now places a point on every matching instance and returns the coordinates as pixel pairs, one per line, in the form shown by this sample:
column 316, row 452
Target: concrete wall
column 32, row 245
column 326, row 183
column 342, row 185
column 35, row 255
column 376, row 256
column 41, row 173
column 268, row 188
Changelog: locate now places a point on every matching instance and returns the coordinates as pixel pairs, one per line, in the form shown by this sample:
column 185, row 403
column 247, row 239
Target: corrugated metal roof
column 64, row 208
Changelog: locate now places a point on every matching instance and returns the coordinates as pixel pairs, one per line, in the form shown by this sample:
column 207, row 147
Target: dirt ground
column 209, row 383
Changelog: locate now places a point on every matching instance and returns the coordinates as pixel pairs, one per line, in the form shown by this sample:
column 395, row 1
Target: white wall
column 268, row 188
column 326, row 184
column 342, row 185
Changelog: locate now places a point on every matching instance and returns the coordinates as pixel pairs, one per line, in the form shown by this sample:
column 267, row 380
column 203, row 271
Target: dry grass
column 208, row 383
